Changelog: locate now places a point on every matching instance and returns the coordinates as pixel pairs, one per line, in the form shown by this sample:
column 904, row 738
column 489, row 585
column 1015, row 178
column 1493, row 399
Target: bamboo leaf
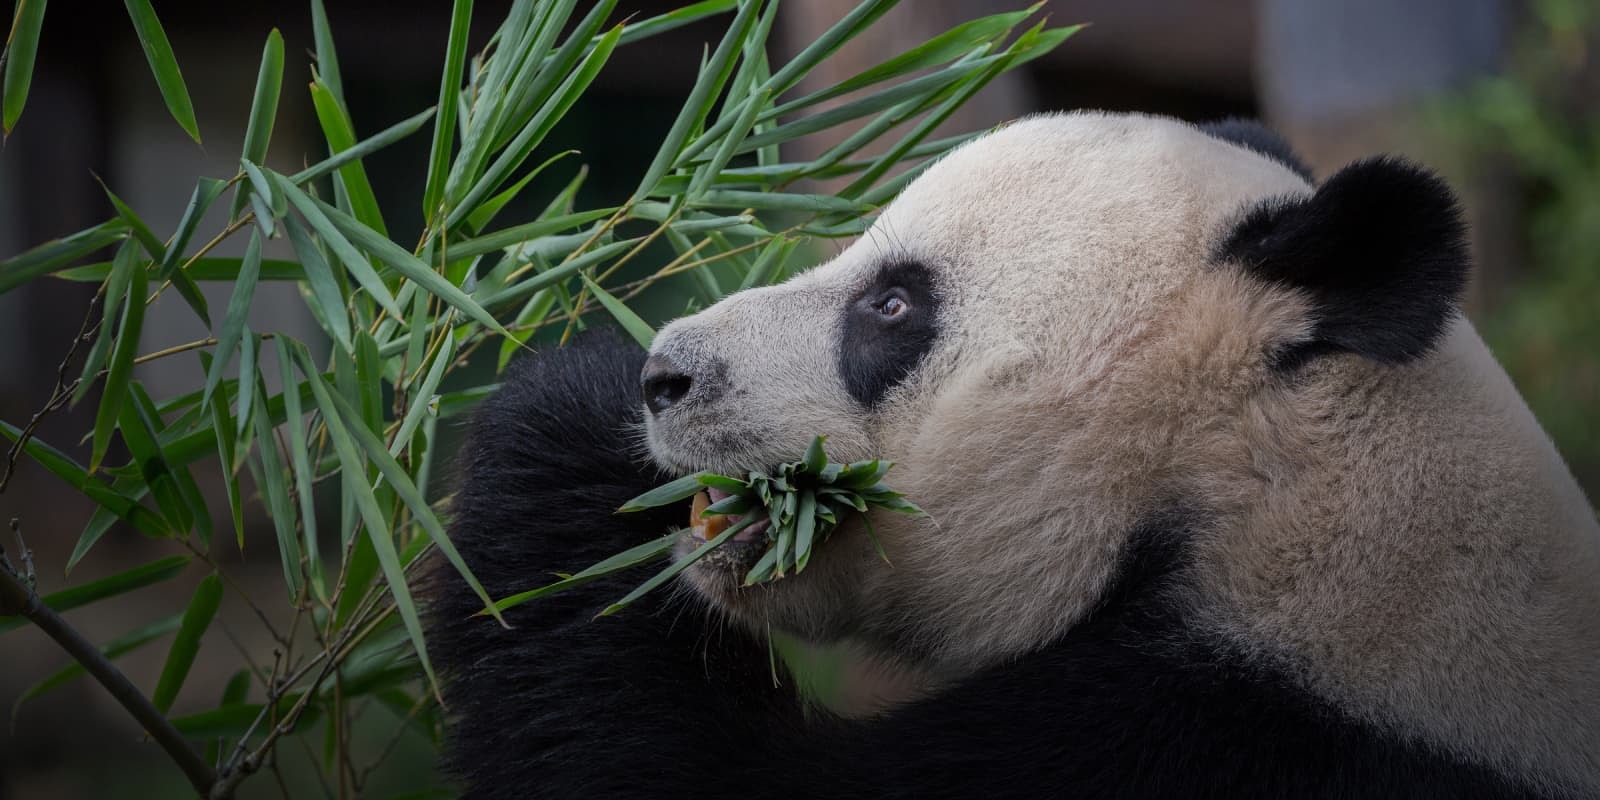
column 627, row 559
column 112, row 586
column 403, row 486
column 57, row 253
column 276, row 493
column 139, row 433
column 205, row 193
column 367, row 504
column 122, row 354
column 203, row 269
column 196, row 619
column 327, row 59
column 364, row 148
column 678, row 566
column 408, row 265
column 317, row 215
column 518, row 234
column 636, row 327
column 666, row 494
column 244, row 290
column 114, row 649
column 222, row 424
column 422, row 398
column 662, row 23
column 22, row 44
column 698, row 106
column 542, row 122
column 746, row 119
column 141, row 231
column 263, row 111
column 325, row 296
column 486, row 210
column 163, row 65
column 336, row 128
column 444, row 125
column 300, row 459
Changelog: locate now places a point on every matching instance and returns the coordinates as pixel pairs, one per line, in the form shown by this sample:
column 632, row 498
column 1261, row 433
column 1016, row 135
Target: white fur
column 1403, row 539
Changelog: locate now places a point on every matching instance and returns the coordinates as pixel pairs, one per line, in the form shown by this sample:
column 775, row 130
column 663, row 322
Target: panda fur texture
column 1227, row 500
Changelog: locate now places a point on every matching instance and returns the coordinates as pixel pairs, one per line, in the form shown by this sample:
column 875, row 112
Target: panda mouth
column 706, row 529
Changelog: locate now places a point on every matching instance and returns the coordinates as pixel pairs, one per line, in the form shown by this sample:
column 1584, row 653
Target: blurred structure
column 1342, row 80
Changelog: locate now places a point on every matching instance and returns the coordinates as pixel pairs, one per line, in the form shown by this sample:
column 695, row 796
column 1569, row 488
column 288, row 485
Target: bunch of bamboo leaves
column 360, row 404
column 803, row 502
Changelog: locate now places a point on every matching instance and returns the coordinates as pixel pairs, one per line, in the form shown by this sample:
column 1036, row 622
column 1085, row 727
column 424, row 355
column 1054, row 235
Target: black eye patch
column 886, row 330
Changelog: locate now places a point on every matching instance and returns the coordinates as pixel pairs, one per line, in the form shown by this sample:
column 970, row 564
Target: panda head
column 1059, row 331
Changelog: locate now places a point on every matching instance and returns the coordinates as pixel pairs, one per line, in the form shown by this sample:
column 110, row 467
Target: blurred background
column 1503, row 96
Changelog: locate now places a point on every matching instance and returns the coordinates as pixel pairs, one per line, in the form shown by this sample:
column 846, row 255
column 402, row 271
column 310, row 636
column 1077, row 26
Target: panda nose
column 663, row 383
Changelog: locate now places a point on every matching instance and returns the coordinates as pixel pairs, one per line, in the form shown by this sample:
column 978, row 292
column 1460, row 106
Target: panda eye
column 891, row 306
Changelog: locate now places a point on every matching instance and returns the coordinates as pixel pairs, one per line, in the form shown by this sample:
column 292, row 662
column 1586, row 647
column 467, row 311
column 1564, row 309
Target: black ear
column 1380, row 248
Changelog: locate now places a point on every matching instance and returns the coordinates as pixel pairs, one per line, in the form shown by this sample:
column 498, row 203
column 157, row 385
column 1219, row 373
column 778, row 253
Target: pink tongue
column 756, row 528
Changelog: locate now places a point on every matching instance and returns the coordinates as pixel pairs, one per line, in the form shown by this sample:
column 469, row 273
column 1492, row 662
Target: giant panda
column 1225, row 497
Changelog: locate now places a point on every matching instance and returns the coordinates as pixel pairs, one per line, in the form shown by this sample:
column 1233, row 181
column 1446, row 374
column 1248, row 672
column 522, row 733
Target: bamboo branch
column 18, row 598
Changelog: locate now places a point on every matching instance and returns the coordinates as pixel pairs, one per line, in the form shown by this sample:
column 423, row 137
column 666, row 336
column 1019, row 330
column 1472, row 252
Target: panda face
column 971, row 336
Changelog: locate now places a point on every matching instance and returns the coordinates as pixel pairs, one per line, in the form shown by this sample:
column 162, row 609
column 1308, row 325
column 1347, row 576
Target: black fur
column 658, row 703
column 877, row 353
column 1381, row 250
column 1253, row 135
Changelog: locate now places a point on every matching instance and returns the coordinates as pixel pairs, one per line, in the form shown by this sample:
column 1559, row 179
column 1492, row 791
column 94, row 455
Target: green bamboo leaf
column 22, row 44
column 327, row 59
column 444, row 125
column 486, row 210
column 776, row 201
column 114, row 649
column 112, row 586
column 636, row 327
column 701, row 98
column 141, row 231
column 263, row 111
column 111, row 302
column 831, row 40
column 222, row 424
column 550, row 113
column 139, row 434
column 666, row 494
column 122, row 354
column 406, row 264
column 205, row 193
column 677, row 566
column 195, row 514
column 231, row 722
column 518, row 234
column 357, row 429
column 938, row 50
column 422, row 398
column 244, row 291
column 57, row 253
column 364, row 148
column 196, row 619
column 337, row 129
column 203, row 269
column 625, row 560
column 275, row 492
column 687, row 15
column 805, row 529
column 158, row 51
column 367, row 504
column 325, row 296
column 113, row 505
column 317, row 214
column 247, row 375
column 768, row 264
column 745, row 120
column 300, row 459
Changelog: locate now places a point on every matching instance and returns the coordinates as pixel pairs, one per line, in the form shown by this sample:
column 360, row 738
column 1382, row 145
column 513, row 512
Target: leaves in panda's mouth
column 804, row 501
